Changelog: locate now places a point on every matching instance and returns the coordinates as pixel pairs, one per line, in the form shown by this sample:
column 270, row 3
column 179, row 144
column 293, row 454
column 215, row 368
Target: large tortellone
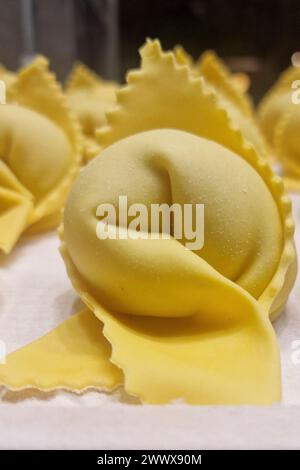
column 40, row 153
column 91, row 98
column 189, row 324
column 166, row 321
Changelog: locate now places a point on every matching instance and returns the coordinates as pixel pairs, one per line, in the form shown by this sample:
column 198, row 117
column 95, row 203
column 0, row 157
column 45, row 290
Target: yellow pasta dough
column 278, row 115
column 90, row 97
column 287, row 144
column 277, row 102
column 183, row 57
column 212, row 68
column 231, row 90
column 237, row 104
column 182, row 324
column 242, row 81
column 75, row 356
column 40, row 149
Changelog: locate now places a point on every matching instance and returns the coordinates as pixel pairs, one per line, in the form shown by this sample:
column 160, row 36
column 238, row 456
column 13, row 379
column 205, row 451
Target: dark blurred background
column 253, row 36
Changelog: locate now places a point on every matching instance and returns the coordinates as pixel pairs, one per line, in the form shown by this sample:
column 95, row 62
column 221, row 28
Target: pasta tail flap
column 73, row 356
column 16, row 205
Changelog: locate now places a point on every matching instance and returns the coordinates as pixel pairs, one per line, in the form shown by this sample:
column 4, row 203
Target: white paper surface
column 36, row 295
